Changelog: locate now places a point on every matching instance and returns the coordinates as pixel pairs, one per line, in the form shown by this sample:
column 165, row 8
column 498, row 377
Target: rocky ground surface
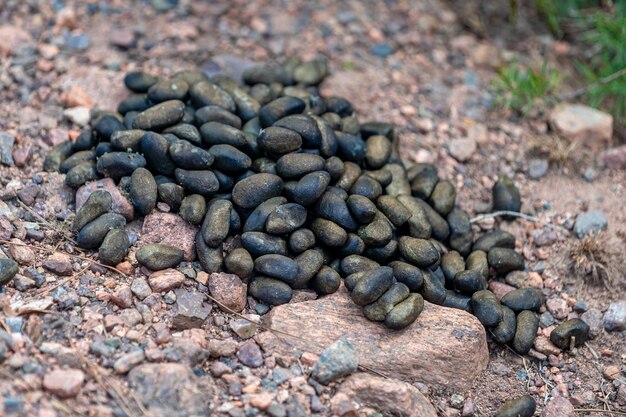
column 77, row 339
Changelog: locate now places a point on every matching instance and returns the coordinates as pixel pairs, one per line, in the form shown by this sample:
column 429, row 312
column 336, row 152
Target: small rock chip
column 250, row 354
column 64, row 383
column 163, row 281
column 229, row 290
column 559, row 407
column 336, row 361
column 8, row 269
column 589, row 223
column 128, row 361
column 615, row 317
column 59, row 263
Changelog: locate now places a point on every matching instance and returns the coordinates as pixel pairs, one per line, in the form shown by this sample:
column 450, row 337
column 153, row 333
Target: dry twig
column 528, row 217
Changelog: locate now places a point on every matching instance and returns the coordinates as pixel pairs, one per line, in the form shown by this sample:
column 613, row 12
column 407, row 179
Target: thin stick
column 62, row 282
column 601, row 81
column 597, row 410
column 45, row 222
column 84, row 258
column 516, row 214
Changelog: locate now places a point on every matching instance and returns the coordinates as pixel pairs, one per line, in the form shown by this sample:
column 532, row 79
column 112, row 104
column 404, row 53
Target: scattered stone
column 439, row 335
column 165, row 280
column 172, row 390
column 559, row 407
column 589, row 223
column 615, row 158
column 23, row 255
column 558, row 308
column 192, row 310
column 229, row 290
column 140, row 288
column 59, row 263
column 13, row 38
column 593, row 318
column 77, row 115
column 462, row 149
column 123, row 38
column 7, row 140
column 250, row 354
column 222, row 348
column 128, row 361
column 64, row 383
column 170, row 229
column 123, row 297
column 77, row 97
column 387, row 396
column 243, row 328
column 615, row 317
column 23, row 283
column 579, row 123
column 537, row 168
column 611, row 372
column 336, row 361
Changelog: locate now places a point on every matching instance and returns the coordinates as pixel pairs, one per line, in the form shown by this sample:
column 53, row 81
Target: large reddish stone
column 121, row 204
column 170, row 229
column 582, row 124
column 443, row 347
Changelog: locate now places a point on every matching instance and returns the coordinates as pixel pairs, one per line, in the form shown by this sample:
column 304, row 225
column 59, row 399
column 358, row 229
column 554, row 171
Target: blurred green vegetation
column 600, row 27
column 526, row 90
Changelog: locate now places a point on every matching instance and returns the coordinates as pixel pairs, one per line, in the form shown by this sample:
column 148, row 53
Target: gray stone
column 6, row 148
column 615, row 317
column 192, row 311
column 589, row 223
column 338, row 360
column 140, row 288
column 537, row 168
column 250, row 354
column 172, row 390
column 128, row 361
column 593, row 318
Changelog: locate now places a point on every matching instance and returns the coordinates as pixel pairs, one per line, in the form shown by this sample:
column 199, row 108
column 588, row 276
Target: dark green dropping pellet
column 114, row 248
column 461, row 235
column 98, row 203
column 210, row 258
column 574, row 330
column 157, row 256
column 523, row 299
column 328, row 233
column 372, row 285
column 377, row 311
column 285, row 219
column 8, row 269
column 518, row 407
column 239, row 262
column 326, row 281
column 408, row 274
column 469, row 281
column 197, row 182
column 477, row 261
column 443, row 197
column 378, row 151
column 433, row 289
column 143, row 190
column 451, row 264
column 309, row 263
column 357, row 263
column 163, row 115
column 486, row 308
column 270, row 291
column 494, row 239
column 506, row 196
column 395, row 211
column 405, row 312
column 81, row 174
column 505, row 260
column 277, row 266
column 171, row 194
column 419, row 252
column 301, row 240
column 259, row 243
column 458, row 301
column 257, row 188
column 93, row 233
column 257, row 219
column 193, row 208
column 216, row 223
column 525, row 331
column 504, row 331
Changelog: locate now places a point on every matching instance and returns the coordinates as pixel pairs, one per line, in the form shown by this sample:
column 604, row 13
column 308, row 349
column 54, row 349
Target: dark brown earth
column 434, row 86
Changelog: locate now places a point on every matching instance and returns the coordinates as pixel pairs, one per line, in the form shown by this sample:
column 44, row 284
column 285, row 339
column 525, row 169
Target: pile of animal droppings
column 291, row 192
